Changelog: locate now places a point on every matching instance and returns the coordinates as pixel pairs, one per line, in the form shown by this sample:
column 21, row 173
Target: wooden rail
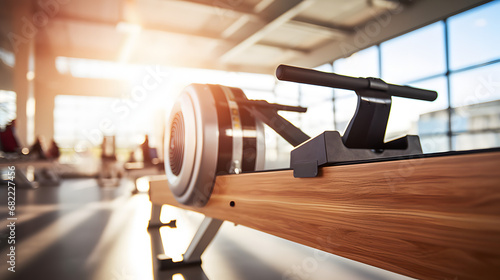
column 428, row 218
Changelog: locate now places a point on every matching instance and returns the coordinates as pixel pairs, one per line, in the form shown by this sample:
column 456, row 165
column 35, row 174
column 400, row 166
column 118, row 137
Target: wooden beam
column 428, row 218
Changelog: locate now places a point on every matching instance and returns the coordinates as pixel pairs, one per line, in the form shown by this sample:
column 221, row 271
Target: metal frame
column 204, row 235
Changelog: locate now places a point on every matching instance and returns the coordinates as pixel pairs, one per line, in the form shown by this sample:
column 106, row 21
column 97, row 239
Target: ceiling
column 235, row 35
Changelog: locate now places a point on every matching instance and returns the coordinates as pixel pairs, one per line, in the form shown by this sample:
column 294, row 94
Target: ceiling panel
column 96, row 10
column 258, row 55
column 292, row 36
column 184, row 15
column 90, row 36
column 333, row 11
column 173, row 45
column 247, row 35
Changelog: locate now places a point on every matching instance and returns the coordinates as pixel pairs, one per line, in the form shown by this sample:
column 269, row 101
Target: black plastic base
column 166, row 263
column 328, row 148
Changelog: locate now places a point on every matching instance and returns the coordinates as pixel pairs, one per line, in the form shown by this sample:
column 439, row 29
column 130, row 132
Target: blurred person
column 146, row 152
column 53, row 152
column 8, row 139
column 37, row 150
column 109, row 169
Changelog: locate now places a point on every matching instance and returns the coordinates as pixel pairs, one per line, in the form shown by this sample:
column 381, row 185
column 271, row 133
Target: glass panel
column 477, row 117
column 7, row 107
column 327, row 67
column 474, row 36
column 345, row 106
column 431, row 117
column 476, row 141
column 8, row 58
column 314, row 95
column 278, row 156
column 437, row 84
column 318, row 118
column 434, row 143
column 84, row 120
column 405, row 117
column 361, row 64
column 415, row 55
column 475, row 86
column 287, row 93
column 100, row 69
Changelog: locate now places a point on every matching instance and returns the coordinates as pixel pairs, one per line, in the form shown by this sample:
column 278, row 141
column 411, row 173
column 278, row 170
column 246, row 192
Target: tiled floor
column 81, row 231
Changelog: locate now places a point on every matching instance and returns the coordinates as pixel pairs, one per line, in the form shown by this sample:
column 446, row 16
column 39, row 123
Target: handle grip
column 315, row 77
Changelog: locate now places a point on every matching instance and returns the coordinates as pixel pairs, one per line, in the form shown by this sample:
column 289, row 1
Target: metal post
column 154, row 221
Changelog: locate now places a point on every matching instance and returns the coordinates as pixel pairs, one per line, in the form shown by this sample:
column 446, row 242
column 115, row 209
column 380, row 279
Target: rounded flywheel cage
column 209, row 134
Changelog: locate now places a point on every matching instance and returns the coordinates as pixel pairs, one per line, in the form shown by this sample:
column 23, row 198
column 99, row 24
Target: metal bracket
column 362, row 140
column 268, row 114
column 204, row 235
column 364, row 136
column 366, row 130
column 328, row 148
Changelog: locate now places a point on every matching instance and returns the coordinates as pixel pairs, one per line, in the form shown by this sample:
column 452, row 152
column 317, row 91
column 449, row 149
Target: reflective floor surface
column 81, row 231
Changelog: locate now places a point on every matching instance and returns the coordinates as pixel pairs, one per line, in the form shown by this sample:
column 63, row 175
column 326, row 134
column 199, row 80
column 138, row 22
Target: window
column 474, row 37
column 8, row 58
column 415, row 55
column 427, row 120
column 83, row 120
column 474, row 51
column 7, row 107
column 475, row 86
column 364, row 63
column 459, row 58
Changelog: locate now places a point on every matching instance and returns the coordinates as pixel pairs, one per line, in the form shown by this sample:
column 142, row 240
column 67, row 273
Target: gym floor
column 81, row 231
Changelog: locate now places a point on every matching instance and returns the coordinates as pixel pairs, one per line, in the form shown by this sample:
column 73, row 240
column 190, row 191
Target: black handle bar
column 314, row 77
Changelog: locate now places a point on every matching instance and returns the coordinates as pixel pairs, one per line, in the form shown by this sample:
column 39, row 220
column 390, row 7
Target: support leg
column 154, row 221
column 206, row 232
column 156, row 249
